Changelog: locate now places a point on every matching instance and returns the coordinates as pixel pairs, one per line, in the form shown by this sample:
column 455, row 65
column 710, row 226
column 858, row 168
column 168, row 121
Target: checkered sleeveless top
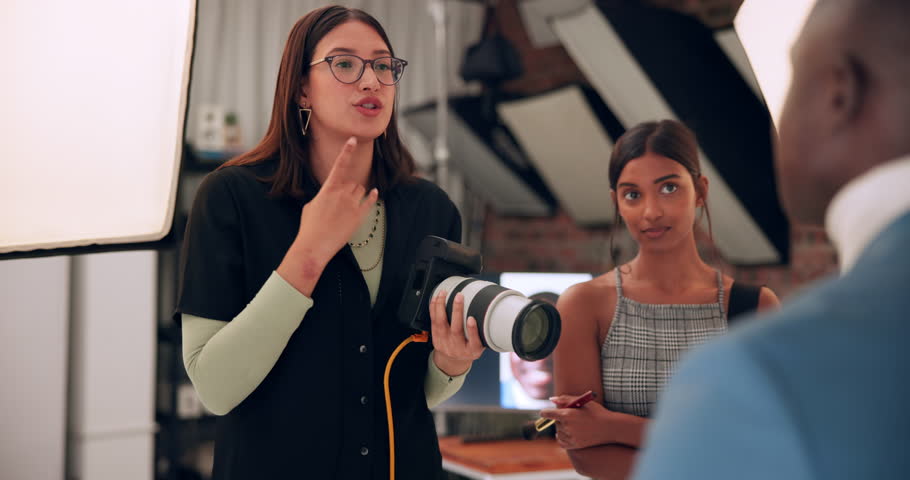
column 645, row 342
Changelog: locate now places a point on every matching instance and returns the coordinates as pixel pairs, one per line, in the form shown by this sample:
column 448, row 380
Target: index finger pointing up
column 343, row 168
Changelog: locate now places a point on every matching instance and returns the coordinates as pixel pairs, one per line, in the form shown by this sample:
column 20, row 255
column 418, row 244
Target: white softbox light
column 94, row 94
column 767, row 30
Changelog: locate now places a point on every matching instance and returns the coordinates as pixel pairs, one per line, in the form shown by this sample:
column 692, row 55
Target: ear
column 845, row 92
column 701, row 198
column 303, row 99
column 615, row 205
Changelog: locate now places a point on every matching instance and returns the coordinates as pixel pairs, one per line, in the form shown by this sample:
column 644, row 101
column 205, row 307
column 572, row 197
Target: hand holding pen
column 534, row 429
column 581, row 423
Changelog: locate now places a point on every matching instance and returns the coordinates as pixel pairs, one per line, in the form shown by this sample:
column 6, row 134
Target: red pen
column 542, row 424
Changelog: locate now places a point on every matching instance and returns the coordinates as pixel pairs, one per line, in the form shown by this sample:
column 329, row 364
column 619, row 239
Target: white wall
column 239, row 45
column 111, row 422
column 78, row 330
column 34, row 311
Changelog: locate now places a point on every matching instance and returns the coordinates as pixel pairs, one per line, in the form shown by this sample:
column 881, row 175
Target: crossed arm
column 602, row 444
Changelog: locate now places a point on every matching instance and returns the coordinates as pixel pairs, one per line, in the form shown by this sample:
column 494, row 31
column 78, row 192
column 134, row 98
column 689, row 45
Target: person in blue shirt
column 820, row 389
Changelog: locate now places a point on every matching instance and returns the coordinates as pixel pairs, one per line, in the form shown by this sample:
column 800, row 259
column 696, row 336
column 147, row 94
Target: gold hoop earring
column 304, row 125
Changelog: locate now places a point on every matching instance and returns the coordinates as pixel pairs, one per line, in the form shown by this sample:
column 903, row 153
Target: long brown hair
column 667, row 138
column 283, row 141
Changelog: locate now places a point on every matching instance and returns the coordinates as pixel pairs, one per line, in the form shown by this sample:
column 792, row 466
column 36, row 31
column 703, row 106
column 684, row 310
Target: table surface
column 540, row 459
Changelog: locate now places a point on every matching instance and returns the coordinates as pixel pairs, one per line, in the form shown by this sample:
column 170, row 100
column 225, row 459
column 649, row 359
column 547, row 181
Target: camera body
column 437, row 259
column 507, row 321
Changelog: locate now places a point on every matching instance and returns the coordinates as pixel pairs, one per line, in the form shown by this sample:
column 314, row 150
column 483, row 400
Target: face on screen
column 535, row 378
column 529, row 384
column 504, row 379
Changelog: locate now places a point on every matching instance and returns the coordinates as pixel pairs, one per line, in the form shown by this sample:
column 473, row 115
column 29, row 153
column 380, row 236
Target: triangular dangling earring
column 304, row 124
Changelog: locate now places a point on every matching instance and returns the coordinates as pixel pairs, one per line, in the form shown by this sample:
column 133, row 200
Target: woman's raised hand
column 329, row 220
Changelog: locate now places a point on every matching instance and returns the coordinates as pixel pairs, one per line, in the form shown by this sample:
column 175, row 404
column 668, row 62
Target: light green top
column 226, row 361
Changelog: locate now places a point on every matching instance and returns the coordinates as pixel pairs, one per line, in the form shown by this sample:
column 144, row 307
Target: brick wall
column 544, row 68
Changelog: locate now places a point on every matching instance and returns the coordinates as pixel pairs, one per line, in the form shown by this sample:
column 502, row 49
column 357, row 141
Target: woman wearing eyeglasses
column 294, row 262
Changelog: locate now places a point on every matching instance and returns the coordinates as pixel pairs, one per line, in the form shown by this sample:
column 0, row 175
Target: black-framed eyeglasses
column 349, row 68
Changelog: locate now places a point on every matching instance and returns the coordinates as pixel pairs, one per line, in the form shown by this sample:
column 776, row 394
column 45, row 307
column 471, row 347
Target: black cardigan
column 320, row 412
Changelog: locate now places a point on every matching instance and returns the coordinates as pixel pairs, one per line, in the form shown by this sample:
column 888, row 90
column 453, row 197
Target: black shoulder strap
column 743, row 299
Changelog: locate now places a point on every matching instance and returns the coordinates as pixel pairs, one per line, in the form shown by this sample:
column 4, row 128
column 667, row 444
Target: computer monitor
column 502, row 380
column 529, row 384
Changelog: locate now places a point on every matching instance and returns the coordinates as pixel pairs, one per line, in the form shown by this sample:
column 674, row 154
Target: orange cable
column 417, row 337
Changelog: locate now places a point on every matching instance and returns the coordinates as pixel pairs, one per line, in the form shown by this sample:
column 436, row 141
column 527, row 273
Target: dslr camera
column 507, row 321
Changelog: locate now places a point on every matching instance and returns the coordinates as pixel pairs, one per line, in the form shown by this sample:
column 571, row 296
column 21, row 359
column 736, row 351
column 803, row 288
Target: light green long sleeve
column 438, row 386
column 226, row 361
